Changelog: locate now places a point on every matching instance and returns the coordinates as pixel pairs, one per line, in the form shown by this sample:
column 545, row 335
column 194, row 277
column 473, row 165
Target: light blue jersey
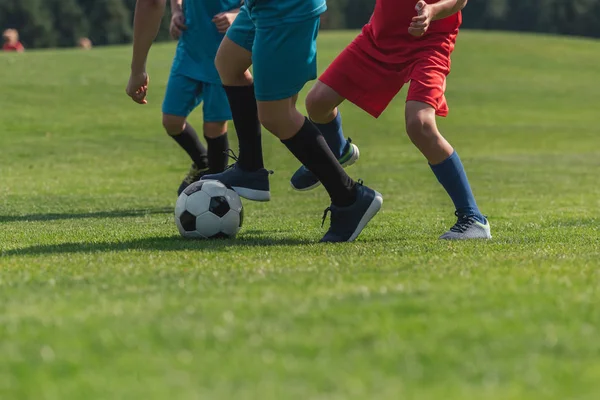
column 198, row 45
column 267, row 13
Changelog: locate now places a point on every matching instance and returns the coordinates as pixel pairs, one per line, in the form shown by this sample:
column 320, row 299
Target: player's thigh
column 216, row 110
column 234, row 56
column 284, row 58
column 280, row 117
column 182, row 96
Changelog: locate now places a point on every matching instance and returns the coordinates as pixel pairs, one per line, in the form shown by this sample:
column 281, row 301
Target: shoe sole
column 371, row 212
column 353, row 159
column 251, row 194
column 448, row 238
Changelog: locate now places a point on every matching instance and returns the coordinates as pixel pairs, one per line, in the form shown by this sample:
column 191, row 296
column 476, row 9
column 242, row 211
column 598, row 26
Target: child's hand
column 224, row 20
column 177, row 25
column 420, row 23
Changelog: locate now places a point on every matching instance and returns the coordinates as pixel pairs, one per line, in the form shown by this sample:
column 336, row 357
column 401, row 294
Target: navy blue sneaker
column 304, row 180
column 194, row 175
column 251, row 185
column 348, row 222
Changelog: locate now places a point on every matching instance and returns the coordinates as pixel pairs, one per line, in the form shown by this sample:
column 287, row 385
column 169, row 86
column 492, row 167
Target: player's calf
column 422, row 130
column 321, row 104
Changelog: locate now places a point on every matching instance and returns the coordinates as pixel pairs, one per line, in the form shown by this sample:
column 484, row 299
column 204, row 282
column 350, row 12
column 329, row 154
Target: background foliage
column 51, row 23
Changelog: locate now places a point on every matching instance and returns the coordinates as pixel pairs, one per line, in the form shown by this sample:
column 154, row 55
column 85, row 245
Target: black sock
column 190, row 142
column 217, row 153
column 245, row 118
column 310, row 148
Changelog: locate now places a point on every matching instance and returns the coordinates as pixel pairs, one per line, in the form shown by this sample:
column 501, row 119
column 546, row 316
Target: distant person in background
column 11, row 41
column 200, row 26
column 85, row 44
column 405, row 41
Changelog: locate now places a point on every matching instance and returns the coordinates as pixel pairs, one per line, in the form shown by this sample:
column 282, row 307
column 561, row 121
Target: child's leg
column 233, row 60
column 216, row 112
column 215, row 134
column 182, row 97
column 322, row 106
column 247, row 176
column 448, row 168
column 444, row 161
column 284, row 60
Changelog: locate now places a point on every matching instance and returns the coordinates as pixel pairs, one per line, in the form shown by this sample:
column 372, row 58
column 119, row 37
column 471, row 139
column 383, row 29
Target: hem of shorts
column 354, row 99
column 282, row 95
column 437, row 111
column 214, row 119
column 175, row 113
column 198, row 78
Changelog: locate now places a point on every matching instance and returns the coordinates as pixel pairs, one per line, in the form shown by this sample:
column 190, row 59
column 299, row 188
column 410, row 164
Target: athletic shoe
column 194, row 175
column 251, row 185
column 304, row 180
column 348, row 222
column 467, row 227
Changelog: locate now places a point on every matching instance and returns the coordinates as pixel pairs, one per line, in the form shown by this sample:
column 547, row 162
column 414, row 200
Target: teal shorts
column 184, row 94
column 284, row 56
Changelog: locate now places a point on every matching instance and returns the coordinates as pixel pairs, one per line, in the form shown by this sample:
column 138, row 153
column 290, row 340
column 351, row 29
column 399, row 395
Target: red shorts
column 372, row 84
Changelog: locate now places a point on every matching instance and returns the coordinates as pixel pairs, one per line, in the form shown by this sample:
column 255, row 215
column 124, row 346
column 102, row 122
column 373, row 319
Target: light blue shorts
column 284, row 56
column 184, row 94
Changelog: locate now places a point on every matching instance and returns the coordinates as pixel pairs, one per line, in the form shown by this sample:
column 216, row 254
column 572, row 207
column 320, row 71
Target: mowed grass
column 100, row 298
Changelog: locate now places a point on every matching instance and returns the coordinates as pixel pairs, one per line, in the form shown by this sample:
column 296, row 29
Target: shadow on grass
column 99, row 215
column 165, row 243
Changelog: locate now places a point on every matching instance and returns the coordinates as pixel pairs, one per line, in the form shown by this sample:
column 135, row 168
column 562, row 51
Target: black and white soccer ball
column 209, row 209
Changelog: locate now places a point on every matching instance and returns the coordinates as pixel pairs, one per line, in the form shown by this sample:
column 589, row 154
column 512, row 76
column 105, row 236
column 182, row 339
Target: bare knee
column 421, row 126
column 321, row 103
column 173, row 124
column 280, row 118
column 213, row 130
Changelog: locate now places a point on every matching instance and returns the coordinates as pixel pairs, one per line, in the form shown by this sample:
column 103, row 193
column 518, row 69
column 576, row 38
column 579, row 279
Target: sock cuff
column 308, row 129
column 239, row 89
column 450, row 158
column 219, row 138
column 334, row 122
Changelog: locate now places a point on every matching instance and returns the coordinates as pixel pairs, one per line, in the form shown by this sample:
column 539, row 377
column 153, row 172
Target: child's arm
column 445, row 8
column 146, row 23
column 433, row 12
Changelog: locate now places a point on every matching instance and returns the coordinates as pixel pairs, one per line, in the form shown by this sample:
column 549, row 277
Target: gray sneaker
column 466, row 228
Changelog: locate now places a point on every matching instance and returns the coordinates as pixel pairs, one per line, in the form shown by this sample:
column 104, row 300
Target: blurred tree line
column 52, row 23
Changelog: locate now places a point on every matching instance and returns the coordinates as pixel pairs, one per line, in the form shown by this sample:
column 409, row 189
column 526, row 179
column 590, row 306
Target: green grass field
column 101, row 299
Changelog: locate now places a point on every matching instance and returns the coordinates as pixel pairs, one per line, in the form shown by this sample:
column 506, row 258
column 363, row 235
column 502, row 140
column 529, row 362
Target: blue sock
column 334, row 135
column 451, row 174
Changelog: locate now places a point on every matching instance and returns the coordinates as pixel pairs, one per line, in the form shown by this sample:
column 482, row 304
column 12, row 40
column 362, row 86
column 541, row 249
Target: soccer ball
column 209, row 209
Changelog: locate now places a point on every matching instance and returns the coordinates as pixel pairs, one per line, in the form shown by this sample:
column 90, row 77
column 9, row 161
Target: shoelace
column 231, row 154
column 463, row 223
column 328, row 209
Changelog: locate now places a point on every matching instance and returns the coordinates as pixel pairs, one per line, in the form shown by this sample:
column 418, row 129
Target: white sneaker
column 468, row 228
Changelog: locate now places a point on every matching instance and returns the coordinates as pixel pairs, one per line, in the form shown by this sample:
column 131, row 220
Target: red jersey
column 388, row 34
column 13, row 47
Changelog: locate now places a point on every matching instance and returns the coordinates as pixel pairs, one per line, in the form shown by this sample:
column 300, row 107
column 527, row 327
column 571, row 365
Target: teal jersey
column 198, row 45
column 268, row 13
